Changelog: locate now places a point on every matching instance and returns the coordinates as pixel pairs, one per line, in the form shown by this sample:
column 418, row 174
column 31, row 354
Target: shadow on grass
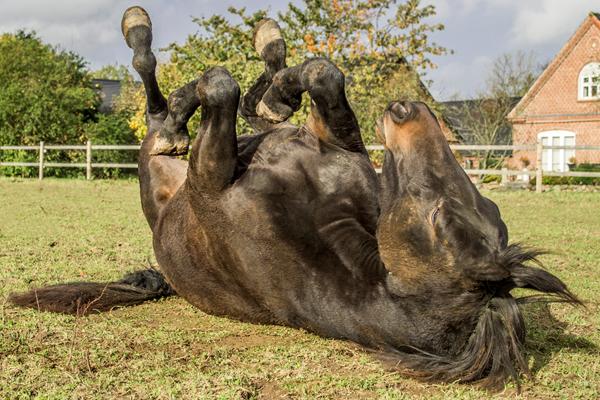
column 546, row 336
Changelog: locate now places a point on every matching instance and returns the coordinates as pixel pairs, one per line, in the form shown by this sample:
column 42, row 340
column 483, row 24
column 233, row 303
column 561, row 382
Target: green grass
column 61, row 230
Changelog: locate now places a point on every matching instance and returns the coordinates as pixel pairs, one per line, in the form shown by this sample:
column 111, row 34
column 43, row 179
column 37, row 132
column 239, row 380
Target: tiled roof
column 592, row 18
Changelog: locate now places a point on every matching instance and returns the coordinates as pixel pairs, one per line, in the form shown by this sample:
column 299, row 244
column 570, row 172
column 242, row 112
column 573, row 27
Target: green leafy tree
column 115, row 127
column 382, row 46
column 113, row 71
column 483, row 120
column 112, row 129
column 46, row 94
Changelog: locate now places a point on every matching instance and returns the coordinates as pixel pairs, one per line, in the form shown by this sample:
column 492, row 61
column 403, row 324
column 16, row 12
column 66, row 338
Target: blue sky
column 477, row 30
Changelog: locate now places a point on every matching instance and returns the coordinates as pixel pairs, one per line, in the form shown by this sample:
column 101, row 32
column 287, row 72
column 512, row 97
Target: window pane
column 569, row 154
column 586, row 79
column 594, row 91
column 556, row 153
column 586, row 91
column 545, row 154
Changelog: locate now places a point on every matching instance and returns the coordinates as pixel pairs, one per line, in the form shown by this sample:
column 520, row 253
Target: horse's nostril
column 400, row 110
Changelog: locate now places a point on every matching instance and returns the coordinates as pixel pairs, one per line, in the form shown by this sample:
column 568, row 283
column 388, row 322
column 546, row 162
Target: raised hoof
column 269, row 44
column 176, row 145
column 136, row 19
column 274, row 116
column 217, row 88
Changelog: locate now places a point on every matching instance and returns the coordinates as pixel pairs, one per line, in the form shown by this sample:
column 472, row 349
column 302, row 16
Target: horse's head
column 431, row 212
column 446, row 247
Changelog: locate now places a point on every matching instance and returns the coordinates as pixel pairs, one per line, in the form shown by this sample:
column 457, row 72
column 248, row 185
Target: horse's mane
column 493, row 353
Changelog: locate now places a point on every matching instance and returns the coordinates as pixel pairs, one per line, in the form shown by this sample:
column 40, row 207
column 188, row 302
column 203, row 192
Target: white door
column 557, row 159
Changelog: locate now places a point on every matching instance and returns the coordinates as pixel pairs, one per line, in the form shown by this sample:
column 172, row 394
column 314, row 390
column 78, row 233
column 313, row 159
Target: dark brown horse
column 290, row 226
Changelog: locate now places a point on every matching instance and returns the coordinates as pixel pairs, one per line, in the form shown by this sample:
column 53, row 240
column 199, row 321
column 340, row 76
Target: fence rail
column 88, row 165
column 539, row 148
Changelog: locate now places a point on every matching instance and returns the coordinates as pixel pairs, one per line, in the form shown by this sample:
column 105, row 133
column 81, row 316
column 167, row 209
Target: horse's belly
column 198, row 258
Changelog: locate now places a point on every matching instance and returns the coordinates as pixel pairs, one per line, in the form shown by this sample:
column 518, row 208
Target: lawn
column 62, row 230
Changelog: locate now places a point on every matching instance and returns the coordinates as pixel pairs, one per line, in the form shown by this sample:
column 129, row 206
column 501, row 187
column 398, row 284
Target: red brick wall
column 586, row 133
column 559, row 93
column 555, row 106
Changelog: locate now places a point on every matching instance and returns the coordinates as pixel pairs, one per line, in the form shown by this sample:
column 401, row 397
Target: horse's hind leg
column 331, row 117
column 160, row 176
column 214, row 154
column 269, row 44
column 137, row 31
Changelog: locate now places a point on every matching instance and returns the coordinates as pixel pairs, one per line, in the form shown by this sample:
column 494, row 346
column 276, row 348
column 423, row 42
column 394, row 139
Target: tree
column 512, row 74
column 115, row 127
column 113, row 71
column 112, row 128
column 381, row 45
column 483, row 120
column 46, row 93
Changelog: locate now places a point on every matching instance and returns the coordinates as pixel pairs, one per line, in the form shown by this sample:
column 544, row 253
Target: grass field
column 61, row 230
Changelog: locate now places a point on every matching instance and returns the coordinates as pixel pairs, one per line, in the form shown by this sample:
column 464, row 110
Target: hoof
column 271, row 115
column 217, row 88
column 175, row 145
column 269, row 44
column 136, row 17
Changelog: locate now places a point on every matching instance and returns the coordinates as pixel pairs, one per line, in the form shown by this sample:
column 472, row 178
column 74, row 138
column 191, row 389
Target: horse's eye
column 434, row 215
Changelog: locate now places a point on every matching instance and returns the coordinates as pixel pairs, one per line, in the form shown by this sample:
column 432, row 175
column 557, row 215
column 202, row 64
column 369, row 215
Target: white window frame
column 589, row 77
column 547, row 155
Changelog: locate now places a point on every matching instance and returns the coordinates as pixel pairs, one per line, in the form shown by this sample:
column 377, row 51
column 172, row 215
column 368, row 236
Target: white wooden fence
column 539, row 173
column 504, row 172
column 88, row 165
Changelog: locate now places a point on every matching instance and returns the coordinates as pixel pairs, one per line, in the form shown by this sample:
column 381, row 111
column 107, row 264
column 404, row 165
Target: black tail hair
column 81, row 298
column 494, row 351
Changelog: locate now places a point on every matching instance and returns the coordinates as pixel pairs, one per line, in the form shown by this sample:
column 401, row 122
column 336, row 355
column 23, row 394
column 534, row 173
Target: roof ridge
column 558, row 59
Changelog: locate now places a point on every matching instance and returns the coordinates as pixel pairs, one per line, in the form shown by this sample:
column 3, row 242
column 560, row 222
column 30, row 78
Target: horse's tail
column 494, row 352
column 81, row 298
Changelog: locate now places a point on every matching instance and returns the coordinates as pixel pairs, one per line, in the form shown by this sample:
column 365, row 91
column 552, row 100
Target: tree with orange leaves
column 383, row 47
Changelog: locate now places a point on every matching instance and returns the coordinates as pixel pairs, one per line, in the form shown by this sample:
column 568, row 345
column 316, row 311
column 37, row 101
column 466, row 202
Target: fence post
column 504, row 180
column 41, row 162
column 539, row 167
column 88, row 160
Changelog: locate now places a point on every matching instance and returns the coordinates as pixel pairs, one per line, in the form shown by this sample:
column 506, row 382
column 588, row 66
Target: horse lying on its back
column 290, row 226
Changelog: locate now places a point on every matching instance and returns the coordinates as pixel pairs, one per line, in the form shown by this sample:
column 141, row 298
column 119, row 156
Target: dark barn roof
column 109, row 89
column 459, row 114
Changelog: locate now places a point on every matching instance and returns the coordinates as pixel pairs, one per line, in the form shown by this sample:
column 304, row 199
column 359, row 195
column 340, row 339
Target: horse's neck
column 378, row 318
column 365, row 314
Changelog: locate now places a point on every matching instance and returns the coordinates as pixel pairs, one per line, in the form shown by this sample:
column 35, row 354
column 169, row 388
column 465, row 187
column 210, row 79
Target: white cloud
column 92, row 27
column 458, row 79
column 478, row 30
column 543, row 21
column 83, row 26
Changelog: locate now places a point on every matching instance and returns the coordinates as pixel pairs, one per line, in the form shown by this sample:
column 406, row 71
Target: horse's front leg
column 214, row 153
column 137, row 31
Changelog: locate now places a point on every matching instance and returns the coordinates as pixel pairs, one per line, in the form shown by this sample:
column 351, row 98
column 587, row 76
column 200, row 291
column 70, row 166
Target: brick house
column 562, row 108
